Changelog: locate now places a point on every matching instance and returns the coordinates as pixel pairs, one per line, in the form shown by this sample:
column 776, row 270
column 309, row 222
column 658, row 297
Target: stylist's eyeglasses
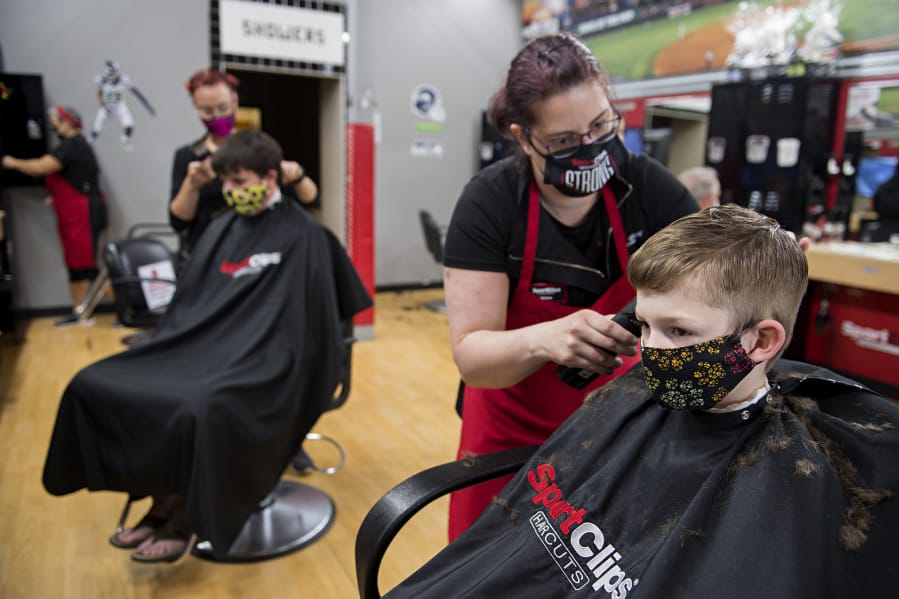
column 568, row 144
column 207, row 113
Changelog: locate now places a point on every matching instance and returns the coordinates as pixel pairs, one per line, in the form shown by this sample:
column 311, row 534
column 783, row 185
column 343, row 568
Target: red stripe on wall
column 360, row 213
column 839, row 143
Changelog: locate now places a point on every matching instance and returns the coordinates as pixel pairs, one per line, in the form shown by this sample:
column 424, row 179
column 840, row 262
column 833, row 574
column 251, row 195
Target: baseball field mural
column 643, row 39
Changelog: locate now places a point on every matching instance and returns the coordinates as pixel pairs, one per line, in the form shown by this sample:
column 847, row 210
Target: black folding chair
column 434, row 237
column 144, row 245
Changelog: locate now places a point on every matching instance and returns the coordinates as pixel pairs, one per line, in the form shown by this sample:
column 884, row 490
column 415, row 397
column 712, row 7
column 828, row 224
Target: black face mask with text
column 587, row 171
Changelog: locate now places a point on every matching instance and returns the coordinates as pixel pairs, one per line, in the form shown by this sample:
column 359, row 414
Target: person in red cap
column 71, row 173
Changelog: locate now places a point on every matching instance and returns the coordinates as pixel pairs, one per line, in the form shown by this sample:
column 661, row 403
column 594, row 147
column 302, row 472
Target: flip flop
column 166, row 532
column 149, row 521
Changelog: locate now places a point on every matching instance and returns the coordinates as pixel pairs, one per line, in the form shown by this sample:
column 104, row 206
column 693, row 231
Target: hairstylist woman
column 196, row 195
column 536, row 254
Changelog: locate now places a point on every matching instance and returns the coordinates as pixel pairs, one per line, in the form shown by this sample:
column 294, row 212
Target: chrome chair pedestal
column 291, row 517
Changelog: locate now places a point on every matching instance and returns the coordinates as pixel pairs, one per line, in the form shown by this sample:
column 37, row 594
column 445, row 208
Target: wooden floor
column 399, row 419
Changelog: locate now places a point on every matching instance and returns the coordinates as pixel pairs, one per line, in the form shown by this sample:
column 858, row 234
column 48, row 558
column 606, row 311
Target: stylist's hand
column 199, row 173
column 804, row 242
column 290, row 171
column 578, row 340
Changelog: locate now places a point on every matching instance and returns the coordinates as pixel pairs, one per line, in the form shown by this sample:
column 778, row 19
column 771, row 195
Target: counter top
column 872, row 266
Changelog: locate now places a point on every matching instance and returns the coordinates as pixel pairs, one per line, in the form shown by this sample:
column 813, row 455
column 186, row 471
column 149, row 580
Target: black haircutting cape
column 217, row 402
column 628, row 499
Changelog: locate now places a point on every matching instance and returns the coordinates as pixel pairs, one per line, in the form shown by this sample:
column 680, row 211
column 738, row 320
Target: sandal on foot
column 174, row 542
column 149, row 522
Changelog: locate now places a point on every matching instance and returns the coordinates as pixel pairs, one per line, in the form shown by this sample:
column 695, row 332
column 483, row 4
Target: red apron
column 74, row 223
column 528, row 412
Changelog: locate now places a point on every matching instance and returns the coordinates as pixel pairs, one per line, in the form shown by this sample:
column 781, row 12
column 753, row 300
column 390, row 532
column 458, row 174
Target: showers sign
column 266, row 30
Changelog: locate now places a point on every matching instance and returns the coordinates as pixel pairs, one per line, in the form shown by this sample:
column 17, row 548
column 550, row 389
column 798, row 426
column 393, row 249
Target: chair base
column 94, row 294
column 293, row 516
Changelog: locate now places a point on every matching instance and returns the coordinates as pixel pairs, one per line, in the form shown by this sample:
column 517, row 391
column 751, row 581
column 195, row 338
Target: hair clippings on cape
column 775, row 393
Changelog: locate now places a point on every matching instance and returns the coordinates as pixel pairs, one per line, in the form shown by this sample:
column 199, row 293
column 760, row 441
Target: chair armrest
column 394, row 509
column 150, row 230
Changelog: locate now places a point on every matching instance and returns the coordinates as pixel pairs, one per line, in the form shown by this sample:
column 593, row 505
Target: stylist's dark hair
column 544, row 67
column 210, row 76
column 253, row 150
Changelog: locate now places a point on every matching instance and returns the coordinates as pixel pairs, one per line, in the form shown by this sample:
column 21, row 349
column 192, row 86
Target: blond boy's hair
column 740, row 260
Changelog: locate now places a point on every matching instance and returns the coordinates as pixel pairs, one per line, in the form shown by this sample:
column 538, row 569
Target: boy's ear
column 771, row 337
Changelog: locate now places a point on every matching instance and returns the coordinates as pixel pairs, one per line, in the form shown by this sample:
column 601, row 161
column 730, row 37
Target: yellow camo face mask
column 248, row 200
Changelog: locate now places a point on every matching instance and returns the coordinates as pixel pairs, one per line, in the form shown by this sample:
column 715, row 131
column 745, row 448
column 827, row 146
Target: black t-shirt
column 79, row 164
column 488, row 227
column 210, row 203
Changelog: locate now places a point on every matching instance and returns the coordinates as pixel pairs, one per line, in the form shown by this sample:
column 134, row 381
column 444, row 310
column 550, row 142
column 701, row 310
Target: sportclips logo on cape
column 598, row 558
column 251, row 265
column 589, row 175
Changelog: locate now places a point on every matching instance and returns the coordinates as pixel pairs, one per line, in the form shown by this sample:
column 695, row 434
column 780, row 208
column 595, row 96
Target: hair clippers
column 201, row 153
column 580, row 378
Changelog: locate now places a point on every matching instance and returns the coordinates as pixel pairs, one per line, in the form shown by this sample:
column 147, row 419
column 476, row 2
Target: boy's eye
column 679, row 332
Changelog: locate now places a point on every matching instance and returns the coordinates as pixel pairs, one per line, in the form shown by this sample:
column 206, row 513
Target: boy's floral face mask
column 695, row 377
column 249, row 200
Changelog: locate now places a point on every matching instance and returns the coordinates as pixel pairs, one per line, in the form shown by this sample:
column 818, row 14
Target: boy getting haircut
column 248, row 163
column 780, row 481
column 738, row 259
column 253, row 150
column 208, row 413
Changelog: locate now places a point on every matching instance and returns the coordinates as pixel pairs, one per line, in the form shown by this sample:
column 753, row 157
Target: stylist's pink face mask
column 221, row 126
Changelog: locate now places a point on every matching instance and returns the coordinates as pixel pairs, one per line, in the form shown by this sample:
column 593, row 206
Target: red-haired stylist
column 536, row 254
column 196, row 193
column 71, row 173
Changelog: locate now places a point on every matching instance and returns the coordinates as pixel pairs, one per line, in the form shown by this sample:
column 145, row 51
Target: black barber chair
column 304, row 464
column 434, row 235
column 124, row 259
column 294, row 514
column 394, row 509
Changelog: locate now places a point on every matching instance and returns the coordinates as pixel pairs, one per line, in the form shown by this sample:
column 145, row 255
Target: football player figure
column 111, row 88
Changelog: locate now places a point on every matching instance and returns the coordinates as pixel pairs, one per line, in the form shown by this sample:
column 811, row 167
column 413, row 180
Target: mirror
column 871, row 152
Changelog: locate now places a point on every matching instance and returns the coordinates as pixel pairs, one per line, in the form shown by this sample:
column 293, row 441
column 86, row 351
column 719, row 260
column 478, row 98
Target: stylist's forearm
column 497, row 359
column 34, row 167
column 184, row 204
column 306, row 190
